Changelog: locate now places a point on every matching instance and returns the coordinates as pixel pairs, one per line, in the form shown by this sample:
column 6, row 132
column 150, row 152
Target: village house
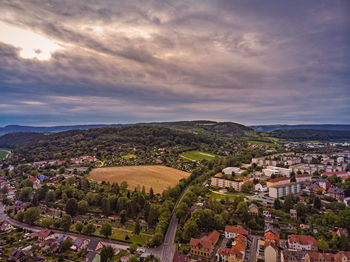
column 261, row 187
column 93, row 257
column 342, row 256
column 278, row 181
column 237, row 251
column 293, row 214
column 302, row 242
column 180, row 258
column 272, row 236
column 94, row 245
column 232, row 231
column 204, row 246
column 319, row 257
column 271, row 252
column 253, row 209
column 44, row 234
column 79, row 244
column 302, row 178
column 336, row 193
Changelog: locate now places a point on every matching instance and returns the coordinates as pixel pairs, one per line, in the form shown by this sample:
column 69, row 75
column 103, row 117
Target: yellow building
column 204, row 247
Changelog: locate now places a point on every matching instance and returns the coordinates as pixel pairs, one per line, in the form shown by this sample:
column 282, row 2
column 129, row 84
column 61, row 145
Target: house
column 17, row 255
column 232, row 231
column 342, row 256
column 180, row 258
column 302, row 242
column 232, row 171
column 76, row 160
column 285, row 189
column 42, row 177
column 224, row 181
column 278, row 181
column 272, row 236
column 94, row 245
column 90, row 159
column 289, row 255
column 304, row 226
column 93, row 257
column 293, row 214
column 44, row 233
column 271, row 252
column 336, row 193
column 315, row 188
column 261, row 187
column 302, row 178
column 253, row 209
column 324, row 183
column 36, row 182
column 266, row 213
column 79, row 244
column 5, row 227
column 342, row 231
column 204, row 246
column 319, row 257
column 62, row 238
column 235, row 253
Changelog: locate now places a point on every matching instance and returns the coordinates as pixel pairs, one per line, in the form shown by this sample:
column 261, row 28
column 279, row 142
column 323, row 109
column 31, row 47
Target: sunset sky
column 109, row 61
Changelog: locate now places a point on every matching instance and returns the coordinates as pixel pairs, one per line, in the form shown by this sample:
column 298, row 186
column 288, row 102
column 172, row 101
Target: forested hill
column 309, row 134
column 109, row 142
column 267, row 128
column 13, row 140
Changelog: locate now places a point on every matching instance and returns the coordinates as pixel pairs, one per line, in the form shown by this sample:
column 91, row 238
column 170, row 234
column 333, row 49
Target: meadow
column 197, row 156
column 3, row 153
column 158, row 177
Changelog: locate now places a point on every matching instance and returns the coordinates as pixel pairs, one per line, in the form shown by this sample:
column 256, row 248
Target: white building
column 273, row 170
column 303, row 178
column 261, row 187
column 284, row 190
column 302, row 242
column 230, row 170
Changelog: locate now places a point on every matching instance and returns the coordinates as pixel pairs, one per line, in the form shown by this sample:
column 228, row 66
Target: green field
column 129, row 156
column 198, row 156
column 3, row 153
column 228, row 195
column 262, row 143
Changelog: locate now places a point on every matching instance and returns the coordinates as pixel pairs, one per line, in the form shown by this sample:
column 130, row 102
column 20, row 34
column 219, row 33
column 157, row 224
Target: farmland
column 3, row 153
column 157, row 177
column 198, row 156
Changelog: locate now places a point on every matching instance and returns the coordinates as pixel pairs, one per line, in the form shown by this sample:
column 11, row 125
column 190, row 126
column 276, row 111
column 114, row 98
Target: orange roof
column 206, row 241
column 218, row 175
column 303, row 239
column 240, row 243
column 271, row 237
column 230, row 251
column 303, row 175
column 278, row 179
column 236, row 230
column 316, row 256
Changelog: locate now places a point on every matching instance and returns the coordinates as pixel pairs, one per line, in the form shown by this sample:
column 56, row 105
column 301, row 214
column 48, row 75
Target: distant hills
column 269, row 128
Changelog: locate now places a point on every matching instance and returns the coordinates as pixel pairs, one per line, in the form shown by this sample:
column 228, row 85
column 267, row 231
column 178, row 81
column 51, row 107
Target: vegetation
column 198, row 156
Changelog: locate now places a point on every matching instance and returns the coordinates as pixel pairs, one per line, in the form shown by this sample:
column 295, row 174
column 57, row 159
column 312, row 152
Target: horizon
column 248, row 62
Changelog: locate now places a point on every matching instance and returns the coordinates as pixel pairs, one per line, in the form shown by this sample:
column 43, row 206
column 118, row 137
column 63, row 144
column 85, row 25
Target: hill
column 309, row 134
column 268, row 128
column 13, row 140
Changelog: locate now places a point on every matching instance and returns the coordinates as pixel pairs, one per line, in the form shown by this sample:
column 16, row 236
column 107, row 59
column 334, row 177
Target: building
column 273, row 170
column 324, row 183
column 293, row 214
column 232, row 231
column 223, row 181
column 319, row 257
column 204, row 247
column 284, row 190
column 289, row 255
column 336, row 193
column 180, row 258
column 232, row 171
column 261, row 187
column 278, row 181
column 44, row 233
column 342, row 256
column 271, row 252
column 253, row 209
column 302, row 242
column 272, row 236
column 94, row 245
column 303, row 178
column 266, row 201
column 235, row 253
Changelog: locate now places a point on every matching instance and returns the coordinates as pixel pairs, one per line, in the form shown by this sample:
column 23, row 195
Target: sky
column 247, row 61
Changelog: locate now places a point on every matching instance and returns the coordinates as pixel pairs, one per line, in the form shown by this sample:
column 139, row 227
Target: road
column 114, row 243
column 253, row 248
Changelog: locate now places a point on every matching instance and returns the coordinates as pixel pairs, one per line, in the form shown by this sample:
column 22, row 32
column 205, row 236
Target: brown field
column 157, row 177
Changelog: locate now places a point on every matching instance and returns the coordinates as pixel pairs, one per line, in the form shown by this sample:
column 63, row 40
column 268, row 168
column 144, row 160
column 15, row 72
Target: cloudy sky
column 107, row 61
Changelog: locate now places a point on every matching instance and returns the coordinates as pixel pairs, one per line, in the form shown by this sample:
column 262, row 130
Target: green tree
column 26, row 194
column 66, row 222
column 343, row 243
column 277, row 204
column 79, row 227
column 322, row 245
column 47, row 222
column 89, row 229
column 107, row 253
column 242, row 210
column 123, row 217
column 65, row 245
column 31, row 215
column 72, row 206
column 288, row 202
column 247, row 187
column 133, row 248
column 106, row 229
column 137, row 227
column 301, row 209
column 317, row 203
column 190, row 230
column 83, row 206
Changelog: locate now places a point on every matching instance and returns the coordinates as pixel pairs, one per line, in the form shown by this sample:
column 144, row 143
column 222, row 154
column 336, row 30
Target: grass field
column 197, row 156
column 230, row 196
column 129, row 156
column 3, row 153
column 262, row 143
column 157, row 177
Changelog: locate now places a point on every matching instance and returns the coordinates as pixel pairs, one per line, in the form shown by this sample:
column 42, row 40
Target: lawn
column 230, row 196
column 198, row 156
column 3, row 153
column 158, row 177
column 129, row 156
column 262, row 143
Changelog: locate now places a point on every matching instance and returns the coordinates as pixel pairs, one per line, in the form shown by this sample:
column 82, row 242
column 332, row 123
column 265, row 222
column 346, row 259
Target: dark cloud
column 128, row 61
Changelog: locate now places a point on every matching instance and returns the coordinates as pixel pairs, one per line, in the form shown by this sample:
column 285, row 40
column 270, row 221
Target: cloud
column 127, row 61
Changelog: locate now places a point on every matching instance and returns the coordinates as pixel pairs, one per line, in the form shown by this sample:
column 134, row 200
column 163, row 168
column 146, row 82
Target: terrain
column 268, row 128
column 157, row 177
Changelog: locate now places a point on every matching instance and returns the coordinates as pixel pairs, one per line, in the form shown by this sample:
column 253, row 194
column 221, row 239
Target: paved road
column 5, row 217
column 254, row 247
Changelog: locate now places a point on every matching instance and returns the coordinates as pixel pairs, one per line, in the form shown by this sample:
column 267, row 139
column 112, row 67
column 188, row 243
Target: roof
column 180, row 258
column 252, row 205
column 303, row 239
column 334, row 173
column 90, row 256
column 44, row 233
column 278, row 179
column 218, row 175
column 302, row 175
column 236, row 230
column 316, row 256
column 206, row 241
column 225, row 251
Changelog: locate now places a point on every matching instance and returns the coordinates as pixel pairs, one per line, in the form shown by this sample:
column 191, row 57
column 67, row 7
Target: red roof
column 278, row 179
column 180, row 258
column 236, row 230
column 218, row 175
column 334, row 173
column 44, row 233
column 206, row 241
column 302, row 175
column 303, row 240
column 225, row 251
column 316, row 256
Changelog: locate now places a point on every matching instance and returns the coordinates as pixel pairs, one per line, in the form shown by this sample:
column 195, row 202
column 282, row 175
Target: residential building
column 272, row 236
column 342, row 256
column 302, row 242
column 300, row 178
column 319, row 257
column 261, row 187
column 271, row 252
column 94, row 245
column 222, row 181
column 293, row 214
column 232, row 171
column 342, row 231
column 204, row 247
column 324, row 183
column 278, row 181
column 180, row 258
column 284, row 190
column 253, row 209
column 336, row 193
column 235, row 253
column 44, row 233
column 233, row 231
column 93, row 257
column 273, row 170
column 289, row 255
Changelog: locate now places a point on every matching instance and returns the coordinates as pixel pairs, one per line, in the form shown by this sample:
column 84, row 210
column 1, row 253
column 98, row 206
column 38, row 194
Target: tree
column 133, row 248
column 153, row 215
column 242, row 210
column 123, row 217
column 66, row 222
column 107, row 253
column 277, row 204
column 288, row 202
column 71, row 206
column 89, row 229
column 343, row 243
column 106, row 229
column 137, row 227
column 31, row 215
column 190, row 230
column 47, row 222
column 79, row 227
column 301, row 209
column 26, row 194
column 247, row 187
column 322, row 244
column 151, row 193
column 65, row 245
column 317, row 203
column 83, row 206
